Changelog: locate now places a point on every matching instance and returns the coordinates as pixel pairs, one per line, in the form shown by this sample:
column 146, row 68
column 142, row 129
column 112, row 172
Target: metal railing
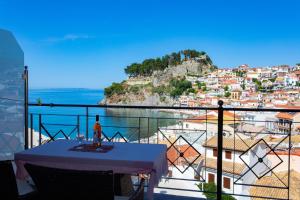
column 149, row 129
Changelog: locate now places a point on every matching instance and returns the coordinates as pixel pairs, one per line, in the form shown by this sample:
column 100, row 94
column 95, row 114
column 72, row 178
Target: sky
column 88, row 43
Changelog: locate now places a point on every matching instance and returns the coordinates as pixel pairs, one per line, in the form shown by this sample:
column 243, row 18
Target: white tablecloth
column 127, row 158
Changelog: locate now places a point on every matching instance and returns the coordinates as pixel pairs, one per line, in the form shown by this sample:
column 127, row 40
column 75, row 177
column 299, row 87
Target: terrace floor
column 24, row 188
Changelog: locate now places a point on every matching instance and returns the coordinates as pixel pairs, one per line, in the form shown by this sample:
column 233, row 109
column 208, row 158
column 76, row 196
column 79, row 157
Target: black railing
column 144, row 126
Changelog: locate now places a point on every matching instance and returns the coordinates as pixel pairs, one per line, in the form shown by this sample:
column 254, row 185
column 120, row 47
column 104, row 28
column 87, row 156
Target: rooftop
column 283, row 115
column 230, row 143
column 228, row 167
column 275, row 182
column 212, row 117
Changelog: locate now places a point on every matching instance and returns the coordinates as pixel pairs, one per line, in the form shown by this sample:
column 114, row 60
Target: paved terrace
column 24, row 188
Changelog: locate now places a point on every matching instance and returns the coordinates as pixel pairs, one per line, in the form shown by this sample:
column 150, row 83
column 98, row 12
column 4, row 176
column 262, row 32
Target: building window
column 215, row 152
column 228, row 155
column 226, row 182
column 211, row 178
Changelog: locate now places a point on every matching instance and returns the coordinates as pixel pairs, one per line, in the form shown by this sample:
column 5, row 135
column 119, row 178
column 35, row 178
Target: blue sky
column 87, row 43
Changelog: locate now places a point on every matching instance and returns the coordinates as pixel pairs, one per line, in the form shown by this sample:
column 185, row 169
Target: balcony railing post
column 220, row 150
column 139, row 136
column 25, row 77
column 40, row 129
column 289, row 158
column 157, row 130
column 31, row 130
column 87, row 123
column 78, row 125
column 148, row 130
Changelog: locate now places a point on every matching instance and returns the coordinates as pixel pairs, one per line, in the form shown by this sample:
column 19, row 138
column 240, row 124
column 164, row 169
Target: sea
column 69, row 121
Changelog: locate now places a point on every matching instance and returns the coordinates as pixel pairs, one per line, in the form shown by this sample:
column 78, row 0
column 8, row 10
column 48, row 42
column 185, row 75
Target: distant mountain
column 159, row 81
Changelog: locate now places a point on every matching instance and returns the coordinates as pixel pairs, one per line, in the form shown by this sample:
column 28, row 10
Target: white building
column 236, row 156
column 209, row 123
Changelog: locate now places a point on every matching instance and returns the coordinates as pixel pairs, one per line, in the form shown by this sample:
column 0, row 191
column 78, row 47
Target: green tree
column 200, row 85
column 201, row 53
column 133, row 69
column 148, row 66
column 226, row 88
column 185, row 53
column 227, row 94
column 191, row 90
column 179, row 86
column 165, row 61
column 258, row 84
column 39, row 101
column 115, row 88
column 175, row 58
column 176, row 92
column 210, row 189
column 208, row 59
column 240, row 73
column 194, row 53
column 243, row 86
column 160, row 64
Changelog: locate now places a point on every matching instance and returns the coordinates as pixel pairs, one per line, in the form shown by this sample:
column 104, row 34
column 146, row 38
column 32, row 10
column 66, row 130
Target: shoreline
column 181, row 112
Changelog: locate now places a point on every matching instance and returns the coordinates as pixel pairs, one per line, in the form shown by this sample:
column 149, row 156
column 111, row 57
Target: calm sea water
column 65, row 120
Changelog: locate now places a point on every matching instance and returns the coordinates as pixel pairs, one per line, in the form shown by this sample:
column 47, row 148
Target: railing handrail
column 164, row 107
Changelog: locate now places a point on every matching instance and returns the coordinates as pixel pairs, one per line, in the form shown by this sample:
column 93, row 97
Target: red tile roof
column 283, row 115
column 287, row 106
column 174, row 156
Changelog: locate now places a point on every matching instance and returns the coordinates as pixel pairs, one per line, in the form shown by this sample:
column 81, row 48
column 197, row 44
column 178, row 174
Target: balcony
column 248, row 164
column 283, row 126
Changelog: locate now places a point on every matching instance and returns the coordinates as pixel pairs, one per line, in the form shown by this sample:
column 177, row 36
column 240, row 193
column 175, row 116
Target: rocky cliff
column 158, row 88
column 194, row 67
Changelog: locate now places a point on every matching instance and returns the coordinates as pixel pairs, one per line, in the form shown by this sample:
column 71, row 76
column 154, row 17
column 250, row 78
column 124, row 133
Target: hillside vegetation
column 148, row 66
column 160, row 80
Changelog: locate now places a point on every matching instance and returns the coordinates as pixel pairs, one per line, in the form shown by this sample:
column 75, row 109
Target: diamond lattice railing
column 182, row 152
column 261, row 161
column 116, row 137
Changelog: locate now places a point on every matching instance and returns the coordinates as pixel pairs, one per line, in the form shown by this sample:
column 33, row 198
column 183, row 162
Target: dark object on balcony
column 8, row 184
column 53, row 183
column 139, row 194
column 123, row 184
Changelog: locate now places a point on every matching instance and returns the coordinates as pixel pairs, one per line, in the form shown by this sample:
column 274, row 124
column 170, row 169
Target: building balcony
column 285, row 126
column 190, row 149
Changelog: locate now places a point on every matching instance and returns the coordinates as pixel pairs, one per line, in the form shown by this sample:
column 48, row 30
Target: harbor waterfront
column 127, row 117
